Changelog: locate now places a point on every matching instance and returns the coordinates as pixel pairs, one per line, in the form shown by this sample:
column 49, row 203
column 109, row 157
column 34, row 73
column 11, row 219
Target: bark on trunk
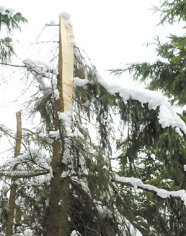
column 56, row 218
column 57, row 214
column 11, row 208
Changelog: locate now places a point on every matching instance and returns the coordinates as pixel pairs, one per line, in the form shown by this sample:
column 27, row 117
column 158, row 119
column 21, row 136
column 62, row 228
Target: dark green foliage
column 95, row 101
column 9, row 21
column 153, row 154
column 93, row 206
column 98, row 204
column 46, row 110
column 168, row 74
column 145, row 135
column 6, row 48
column 172, row 11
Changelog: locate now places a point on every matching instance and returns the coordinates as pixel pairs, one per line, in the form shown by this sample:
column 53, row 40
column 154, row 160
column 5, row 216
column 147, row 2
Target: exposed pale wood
column 66, row 63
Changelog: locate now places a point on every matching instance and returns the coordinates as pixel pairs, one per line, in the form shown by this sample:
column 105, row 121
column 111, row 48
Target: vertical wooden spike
column 66, row 63
column 12, row 198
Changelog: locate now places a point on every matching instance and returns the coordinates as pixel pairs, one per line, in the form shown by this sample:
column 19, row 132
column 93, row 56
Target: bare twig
column 13, row 65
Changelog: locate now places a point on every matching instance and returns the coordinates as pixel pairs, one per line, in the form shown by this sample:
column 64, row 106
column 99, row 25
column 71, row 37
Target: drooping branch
column 28, row 67
column 167, row 117
column 138, row 183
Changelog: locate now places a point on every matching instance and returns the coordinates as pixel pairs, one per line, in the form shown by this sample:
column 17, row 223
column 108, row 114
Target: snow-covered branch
column 33, row 155
column 23, row 174
column 13, row 65
column 167, row 116
column 40, row 67
column 80, row 82
column 138, row 183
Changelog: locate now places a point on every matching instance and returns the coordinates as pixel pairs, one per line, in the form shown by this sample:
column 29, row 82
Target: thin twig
column 7, row 150
column 7, row 64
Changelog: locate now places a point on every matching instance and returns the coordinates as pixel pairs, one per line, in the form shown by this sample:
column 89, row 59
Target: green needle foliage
column 172, row 11
column 98, row 204
column 151, row 153
column 169, row 73
column 9, row 21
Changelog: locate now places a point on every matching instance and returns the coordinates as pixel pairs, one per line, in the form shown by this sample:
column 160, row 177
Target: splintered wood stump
column 66, row 62
column 13, row 188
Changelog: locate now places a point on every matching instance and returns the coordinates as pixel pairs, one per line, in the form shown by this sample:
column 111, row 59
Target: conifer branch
column 22, row 174
column 137, row 183
column 13, row 65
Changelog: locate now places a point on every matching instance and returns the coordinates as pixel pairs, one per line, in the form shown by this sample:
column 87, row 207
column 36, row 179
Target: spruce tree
column 167, row 74
column 101, row 201
column 164, row 158
column 9, row 20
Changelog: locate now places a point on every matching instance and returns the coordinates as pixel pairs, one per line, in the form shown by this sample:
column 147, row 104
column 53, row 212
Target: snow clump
column 167, row 116
column 66, row 18
column 28, row 232
column 80, row 82
column 75, row 233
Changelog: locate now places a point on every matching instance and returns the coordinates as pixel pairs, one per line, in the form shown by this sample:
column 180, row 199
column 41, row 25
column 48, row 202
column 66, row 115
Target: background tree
column 9, row 20
column 164, row 150
column 167, row 74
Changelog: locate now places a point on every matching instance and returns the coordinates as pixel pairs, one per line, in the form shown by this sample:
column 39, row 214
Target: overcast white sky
column 112, row 32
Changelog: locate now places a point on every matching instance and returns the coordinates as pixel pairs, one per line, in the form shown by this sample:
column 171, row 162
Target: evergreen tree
column 99, row 201
column 163, row 150
column 9, row 20
column 167, row 74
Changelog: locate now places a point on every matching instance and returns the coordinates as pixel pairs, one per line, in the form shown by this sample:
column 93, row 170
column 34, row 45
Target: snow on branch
column 43, row 70
column 40, row 67
column 75, row 233
column 33, row 155
column 80, row 82
column 167, row 116
column 138, row 183
column 6, row 131
column 23, row 174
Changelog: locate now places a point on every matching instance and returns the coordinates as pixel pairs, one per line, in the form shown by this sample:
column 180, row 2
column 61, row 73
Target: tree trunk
column 56, row 218
column 57, row 214
column 11, row 208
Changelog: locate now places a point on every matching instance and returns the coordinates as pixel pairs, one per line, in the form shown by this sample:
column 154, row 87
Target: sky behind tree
column 111, row 32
